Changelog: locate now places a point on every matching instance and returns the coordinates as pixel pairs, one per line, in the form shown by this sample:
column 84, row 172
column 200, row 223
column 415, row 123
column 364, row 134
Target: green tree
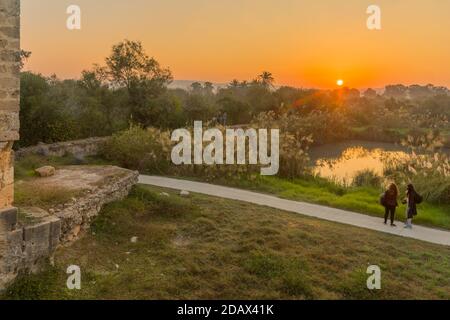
column 44, row 115
column 208, row 88
column 129, row 64
column 196, row 87
column 129, row 67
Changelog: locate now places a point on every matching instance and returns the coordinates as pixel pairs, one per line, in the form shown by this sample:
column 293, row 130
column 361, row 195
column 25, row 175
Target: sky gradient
column 304, row 43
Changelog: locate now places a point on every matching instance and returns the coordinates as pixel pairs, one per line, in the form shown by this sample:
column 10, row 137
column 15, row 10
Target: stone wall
column 28, row 246
column 9, row 93
column 78, row 148
column 29, row 243
column 9, row 116
column 6, row 175
column 77, row 214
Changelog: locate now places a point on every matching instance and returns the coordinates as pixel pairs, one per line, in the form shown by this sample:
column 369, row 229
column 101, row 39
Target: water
column 342, row 161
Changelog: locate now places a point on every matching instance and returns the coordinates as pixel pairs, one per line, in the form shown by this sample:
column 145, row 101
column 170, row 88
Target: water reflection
column 341, row 162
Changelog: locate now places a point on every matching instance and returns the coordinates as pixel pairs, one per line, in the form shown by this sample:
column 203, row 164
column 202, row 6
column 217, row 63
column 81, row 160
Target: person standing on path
column 412, row 199
column 390, row 203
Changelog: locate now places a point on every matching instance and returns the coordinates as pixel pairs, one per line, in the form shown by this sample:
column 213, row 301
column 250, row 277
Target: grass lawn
column 359, row 199
column 208, row 248
column 314, row 190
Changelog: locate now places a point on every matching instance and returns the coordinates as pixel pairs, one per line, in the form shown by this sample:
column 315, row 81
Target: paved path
column 307, row 209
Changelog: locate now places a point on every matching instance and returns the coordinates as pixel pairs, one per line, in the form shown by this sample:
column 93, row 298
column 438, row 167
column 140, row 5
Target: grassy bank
column 209, row 248
column 359, row 199
column 309, row 189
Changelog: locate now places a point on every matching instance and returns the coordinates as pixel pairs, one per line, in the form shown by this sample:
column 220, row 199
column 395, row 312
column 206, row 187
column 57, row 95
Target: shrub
column 149, row 150
column 140, row 149
column 424, row 166
column 367, row 178
column 294, row 143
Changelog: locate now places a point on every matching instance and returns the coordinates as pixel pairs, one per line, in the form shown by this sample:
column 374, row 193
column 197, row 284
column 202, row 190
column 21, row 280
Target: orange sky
column 309, row 43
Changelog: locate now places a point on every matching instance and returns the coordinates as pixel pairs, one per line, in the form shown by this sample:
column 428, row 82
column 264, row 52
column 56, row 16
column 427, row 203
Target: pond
column 342, row 161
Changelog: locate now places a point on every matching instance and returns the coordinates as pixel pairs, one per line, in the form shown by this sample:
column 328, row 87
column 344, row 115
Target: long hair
column 410, row 189
column 393, row 189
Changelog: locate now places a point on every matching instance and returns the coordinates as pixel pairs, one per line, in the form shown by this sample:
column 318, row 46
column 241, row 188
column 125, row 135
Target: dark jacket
column 390, row 199
column 412, row 205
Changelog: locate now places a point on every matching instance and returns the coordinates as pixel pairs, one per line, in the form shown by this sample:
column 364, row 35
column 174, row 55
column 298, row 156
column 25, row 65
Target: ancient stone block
column 9, row 218
column 14, row 255
column 10, row 7
column 6, row 168
column 6, row 196
column 6, row 175
column 10, row 240
column 9, row 69
column 35, row 233
column 36, row 243
column 9, row 121
column 55, row 233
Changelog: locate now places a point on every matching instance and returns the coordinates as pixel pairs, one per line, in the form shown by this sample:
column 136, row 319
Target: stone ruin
column 23, row 245
column 9, row 94
column 9, row 117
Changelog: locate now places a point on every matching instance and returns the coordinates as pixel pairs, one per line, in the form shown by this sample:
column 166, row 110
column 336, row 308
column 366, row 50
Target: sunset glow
column 302, row 43
column 340, row 83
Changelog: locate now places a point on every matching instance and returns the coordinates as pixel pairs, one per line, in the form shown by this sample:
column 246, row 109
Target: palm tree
column 266, row 79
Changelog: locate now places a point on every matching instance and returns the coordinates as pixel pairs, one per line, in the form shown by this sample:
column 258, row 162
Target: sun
column 340, row 82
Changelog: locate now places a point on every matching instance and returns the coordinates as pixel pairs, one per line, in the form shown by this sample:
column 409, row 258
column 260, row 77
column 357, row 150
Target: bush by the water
column 367, row 178
column 149, row 150
column 425, row 166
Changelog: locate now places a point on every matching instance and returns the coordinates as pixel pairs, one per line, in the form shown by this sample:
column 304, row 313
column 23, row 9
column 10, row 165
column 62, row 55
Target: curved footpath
column 312, row 210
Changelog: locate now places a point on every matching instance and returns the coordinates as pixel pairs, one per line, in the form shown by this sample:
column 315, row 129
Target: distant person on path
column 224, row 119
column 412, row 199
column 389, row 201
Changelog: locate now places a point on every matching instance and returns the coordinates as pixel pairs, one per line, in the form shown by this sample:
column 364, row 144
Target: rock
column 134, row 239
column 76, row 230
column 34, row 212
column 164, row 194
column 184, row 193
column 46, row 171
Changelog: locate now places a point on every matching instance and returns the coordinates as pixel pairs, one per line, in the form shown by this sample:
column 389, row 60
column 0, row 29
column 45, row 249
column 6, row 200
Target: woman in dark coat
column 412, row 198
column 390, row 203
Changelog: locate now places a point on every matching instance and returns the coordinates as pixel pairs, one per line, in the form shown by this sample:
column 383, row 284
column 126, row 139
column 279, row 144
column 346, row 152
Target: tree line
column 132, row 88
